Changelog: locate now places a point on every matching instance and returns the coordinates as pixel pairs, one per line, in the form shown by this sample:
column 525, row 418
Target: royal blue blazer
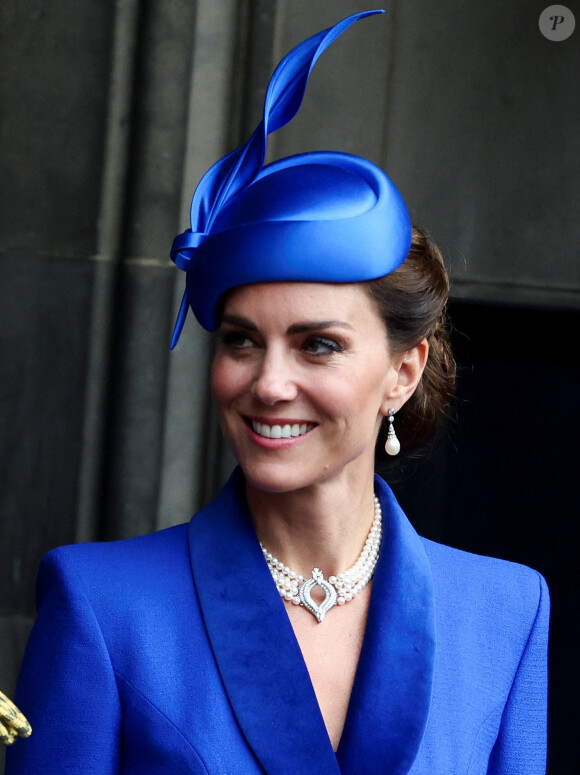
column 173, row 653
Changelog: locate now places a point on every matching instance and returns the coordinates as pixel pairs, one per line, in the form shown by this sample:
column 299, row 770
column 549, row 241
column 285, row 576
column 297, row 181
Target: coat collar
column 261, row 664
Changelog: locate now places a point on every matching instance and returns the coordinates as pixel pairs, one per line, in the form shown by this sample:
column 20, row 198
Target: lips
column 282, row 430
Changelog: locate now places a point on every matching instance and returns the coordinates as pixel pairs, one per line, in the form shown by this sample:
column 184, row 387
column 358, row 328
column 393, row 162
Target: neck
column 322, row 526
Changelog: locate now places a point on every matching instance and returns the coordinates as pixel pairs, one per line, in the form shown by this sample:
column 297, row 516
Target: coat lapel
column 391, row 695
column 253, row 642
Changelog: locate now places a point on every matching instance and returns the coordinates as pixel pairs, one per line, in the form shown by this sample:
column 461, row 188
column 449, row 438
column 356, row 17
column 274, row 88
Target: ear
column 409, row 367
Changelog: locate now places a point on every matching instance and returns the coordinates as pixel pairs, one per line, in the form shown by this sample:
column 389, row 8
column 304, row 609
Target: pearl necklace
column 338, row 589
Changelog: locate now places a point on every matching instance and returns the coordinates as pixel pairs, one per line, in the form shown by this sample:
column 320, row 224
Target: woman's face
column 302, row 378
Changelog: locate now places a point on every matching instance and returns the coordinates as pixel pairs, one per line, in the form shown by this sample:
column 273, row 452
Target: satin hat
column 321, row 217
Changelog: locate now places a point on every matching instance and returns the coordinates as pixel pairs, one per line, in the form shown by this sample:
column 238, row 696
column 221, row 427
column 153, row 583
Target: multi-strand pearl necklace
column 338, row 589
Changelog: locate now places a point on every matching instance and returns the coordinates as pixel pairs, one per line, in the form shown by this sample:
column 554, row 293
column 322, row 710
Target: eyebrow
column 317, row 325
column 295, row 328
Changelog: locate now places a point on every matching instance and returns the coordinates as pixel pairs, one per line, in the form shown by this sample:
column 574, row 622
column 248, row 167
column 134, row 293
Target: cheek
column 228, row 379
column 374, row 386
column 220, row 380
column 357, row 396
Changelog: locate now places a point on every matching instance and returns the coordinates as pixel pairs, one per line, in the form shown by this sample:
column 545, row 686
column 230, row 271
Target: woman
column 297, row 624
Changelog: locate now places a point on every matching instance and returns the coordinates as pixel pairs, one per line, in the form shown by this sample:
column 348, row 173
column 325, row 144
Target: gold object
column 12, row 722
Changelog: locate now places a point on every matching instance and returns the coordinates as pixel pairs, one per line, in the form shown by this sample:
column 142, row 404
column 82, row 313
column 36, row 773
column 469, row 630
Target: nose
column 275, row 381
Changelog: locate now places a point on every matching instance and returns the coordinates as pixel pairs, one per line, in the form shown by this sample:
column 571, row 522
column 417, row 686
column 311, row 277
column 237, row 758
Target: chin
column 274, row 478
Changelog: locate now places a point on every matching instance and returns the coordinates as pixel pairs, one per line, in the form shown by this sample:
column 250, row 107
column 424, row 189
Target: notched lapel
column 258, row 656
column 391, row 695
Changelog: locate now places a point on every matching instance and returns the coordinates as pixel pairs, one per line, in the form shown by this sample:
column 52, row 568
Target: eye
column 320, row 345
column 235, row 339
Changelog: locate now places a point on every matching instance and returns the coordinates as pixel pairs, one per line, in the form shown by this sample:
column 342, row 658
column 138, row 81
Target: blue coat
column 172, row 653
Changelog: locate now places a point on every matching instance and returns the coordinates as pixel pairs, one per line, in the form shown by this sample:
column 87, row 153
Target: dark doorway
column 502, row 477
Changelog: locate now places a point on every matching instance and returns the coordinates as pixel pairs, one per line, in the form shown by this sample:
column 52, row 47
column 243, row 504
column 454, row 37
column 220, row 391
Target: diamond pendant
column 318, row 580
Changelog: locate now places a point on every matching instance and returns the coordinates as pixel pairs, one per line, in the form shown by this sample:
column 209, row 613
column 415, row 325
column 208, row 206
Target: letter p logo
column 556, row 22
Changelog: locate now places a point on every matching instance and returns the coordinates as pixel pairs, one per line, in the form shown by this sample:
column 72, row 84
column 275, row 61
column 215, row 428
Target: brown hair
column 412, row 301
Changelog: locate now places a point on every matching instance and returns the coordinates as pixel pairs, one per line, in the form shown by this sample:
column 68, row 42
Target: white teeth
column 281, row 431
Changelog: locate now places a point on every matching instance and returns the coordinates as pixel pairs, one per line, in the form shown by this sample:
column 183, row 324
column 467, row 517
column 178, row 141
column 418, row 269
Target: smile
column 285, row 431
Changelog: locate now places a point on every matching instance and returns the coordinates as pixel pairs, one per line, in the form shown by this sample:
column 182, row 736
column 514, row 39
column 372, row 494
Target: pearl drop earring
column 392, row 445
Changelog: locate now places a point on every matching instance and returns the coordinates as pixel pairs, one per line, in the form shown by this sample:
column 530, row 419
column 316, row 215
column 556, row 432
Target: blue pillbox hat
column 320, row 217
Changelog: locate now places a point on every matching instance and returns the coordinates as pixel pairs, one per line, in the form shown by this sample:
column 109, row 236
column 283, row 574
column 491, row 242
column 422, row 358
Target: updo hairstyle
column 412, row 302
